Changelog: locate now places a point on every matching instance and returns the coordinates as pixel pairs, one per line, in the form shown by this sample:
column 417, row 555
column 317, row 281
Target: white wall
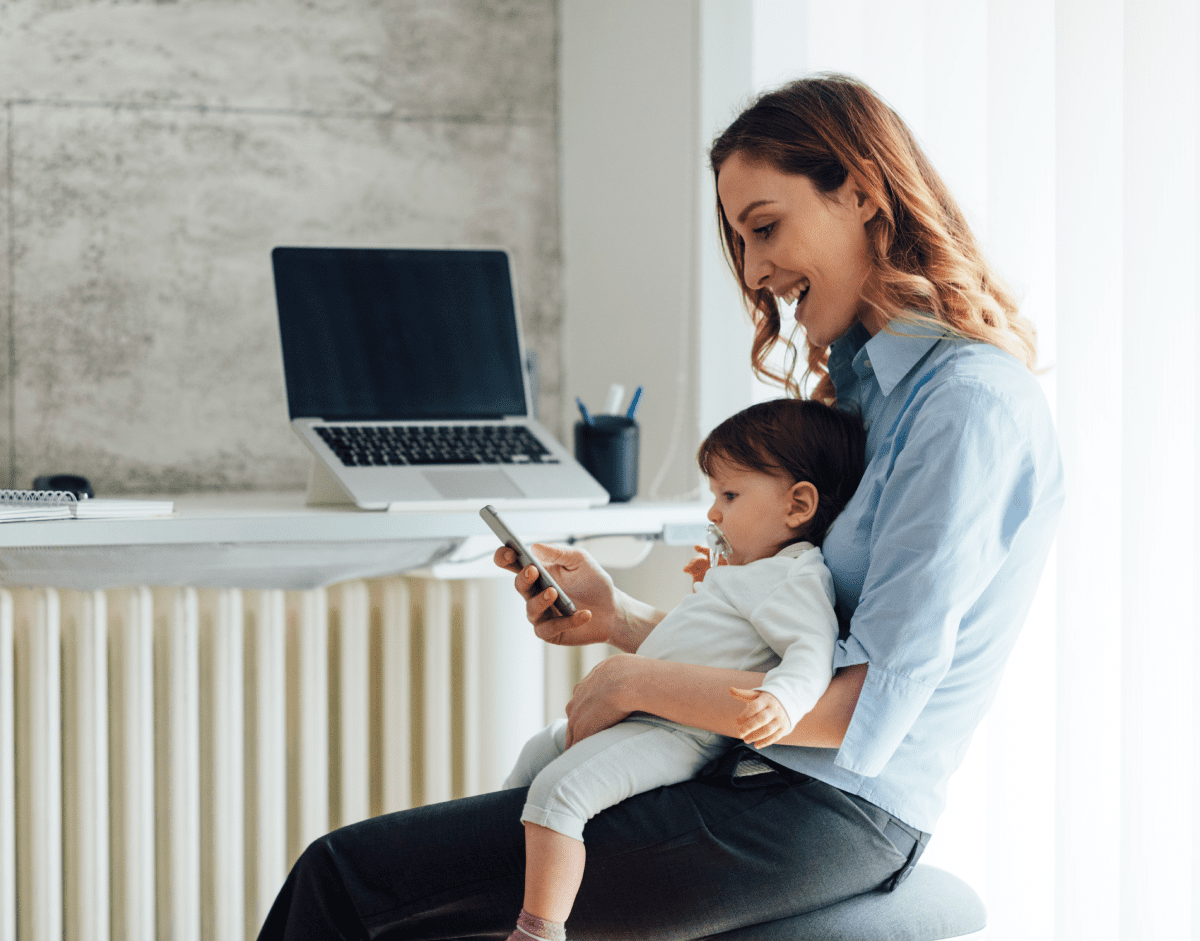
column 648, row 298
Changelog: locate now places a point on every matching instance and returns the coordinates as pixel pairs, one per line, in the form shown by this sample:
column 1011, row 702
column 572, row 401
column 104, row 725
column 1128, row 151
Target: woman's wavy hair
column 927, row 264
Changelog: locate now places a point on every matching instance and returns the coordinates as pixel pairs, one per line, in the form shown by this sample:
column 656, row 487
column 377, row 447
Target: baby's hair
column 800, row 438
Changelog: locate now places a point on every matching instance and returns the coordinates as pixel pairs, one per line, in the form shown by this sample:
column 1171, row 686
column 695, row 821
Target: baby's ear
column 803, row 508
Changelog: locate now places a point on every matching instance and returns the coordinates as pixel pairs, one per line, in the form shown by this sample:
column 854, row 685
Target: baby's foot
column 538, row 929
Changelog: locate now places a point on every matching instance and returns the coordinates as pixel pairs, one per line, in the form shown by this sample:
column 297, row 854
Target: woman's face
column 806, row 247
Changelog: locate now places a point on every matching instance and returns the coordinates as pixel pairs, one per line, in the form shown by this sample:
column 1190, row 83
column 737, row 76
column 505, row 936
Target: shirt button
column 867, row 363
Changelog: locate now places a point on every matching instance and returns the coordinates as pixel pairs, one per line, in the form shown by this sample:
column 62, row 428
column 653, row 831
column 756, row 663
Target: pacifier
column 718, row 546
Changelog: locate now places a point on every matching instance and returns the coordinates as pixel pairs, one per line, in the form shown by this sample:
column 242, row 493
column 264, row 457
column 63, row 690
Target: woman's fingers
column 540, row 608
column 505, row 558
column 555, row 629
column 584, row 582
column 525, row 580
column 595, row 701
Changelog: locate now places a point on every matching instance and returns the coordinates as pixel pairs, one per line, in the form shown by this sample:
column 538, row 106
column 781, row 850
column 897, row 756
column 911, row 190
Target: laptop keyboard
column 393, row 446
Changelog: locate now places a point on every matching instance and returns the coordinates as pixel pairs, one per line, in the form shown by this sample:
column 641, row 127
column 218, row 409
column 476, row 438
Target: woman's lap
column 680, row 862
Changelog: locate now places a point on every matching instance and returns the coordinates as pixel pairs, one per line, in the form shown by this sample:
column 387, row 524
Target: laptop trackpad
column 464, row 485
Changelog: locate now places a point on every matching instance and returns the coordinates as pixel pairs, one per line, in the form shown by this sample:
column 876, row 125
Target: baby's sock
column 539, row 929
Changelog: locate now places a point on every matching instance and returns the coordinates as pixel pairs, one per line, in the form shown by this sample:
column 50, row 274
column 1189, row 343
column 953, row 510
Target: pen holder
column 608, row 450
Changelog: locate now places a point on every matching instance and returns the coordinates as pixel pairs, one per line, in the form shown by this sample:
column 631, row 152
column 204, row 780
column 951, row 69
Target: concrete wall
column 152, row 154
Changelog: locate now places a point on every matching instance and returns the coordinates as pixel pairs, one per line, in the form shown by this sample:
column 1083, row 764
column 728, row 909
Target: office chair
column 930, row 905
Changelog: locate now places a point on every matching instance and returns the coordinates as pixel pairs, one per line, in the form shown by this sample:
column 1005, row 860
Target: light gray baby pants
column 567, row 786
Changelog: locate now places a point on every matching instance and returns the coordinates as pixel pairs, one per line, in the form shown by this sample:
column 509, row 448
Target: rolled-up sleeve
column 960, row 485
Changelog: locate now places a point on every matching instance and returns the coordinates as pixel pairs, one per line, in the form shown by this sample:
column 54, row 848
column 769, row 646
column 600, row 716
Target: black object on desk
column 608, row 448
column 73, row 483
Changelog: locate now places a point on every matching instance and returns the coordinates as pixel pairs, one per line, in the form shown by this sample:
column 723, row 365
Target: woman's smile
column 795, row 294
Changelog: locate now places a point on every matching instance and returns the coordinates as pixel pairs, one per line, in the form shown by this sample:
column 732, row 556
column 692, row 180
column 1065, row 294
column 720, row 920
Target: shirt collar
column 795, row 550
column 890, row 355
column 841, row 356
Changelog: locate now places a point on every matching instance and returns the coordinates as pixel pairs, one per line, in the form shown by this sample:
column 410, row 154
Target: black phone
column 562, row 604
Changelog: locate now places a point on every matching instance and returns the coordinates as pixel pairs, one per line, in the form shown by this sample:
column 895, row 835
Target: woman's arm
column 634, row 622
column 699, row 696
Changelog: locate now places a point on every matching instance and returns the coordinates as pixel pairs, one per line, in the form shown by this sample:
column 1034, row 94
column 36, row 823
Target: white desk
column 273, row 540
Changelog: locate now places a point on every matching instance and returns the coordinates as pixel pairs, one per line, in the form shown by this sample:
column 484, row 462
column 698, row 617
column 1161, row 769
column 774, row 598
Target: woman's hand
column 764, row 721
column 585, row 582
column 599, row 698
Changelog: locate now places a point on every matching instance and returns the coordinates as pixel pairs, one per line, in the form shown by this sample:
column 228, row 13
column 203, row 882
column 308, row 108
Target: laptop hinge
column 324, row 489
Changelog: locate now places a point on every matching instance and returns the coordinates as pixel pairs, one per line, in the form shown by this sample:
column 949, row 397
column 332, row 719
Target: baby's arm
column 764, row 721
column 798, row 622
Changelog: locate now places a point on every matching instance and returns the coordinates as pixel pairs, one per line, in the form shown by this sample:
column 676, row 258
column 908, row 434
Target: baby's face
column 751, row 508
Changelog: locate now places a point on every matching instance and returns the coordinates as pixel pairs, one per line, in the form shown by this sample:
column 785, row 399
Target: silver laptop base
column 324, row 489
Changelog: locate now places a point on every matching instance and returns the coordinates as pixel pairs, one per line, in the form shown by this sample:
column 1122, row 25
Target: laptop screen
column 376, row 334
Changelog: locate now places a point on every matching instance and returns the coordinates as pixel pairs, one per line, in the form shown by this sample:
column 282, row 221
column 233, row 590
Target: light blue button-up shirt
column 936, row 558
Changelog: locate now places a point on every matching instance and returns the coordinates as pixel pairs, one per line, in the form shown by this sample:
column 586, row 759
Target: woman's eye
column 764, row 231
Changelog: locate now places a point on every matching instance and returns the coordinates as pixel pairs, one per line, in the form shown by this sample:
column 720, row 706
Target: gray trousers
column 567, row 787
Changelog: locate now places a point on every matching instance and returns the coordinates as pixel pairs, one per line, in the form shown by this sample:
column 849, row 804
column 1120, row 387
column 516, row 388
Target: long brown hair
column 800, row 440
column 927, row 264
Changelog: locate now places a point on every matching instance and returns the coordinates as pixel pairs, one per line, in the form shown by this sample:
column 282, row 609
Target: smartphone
column 562, row 604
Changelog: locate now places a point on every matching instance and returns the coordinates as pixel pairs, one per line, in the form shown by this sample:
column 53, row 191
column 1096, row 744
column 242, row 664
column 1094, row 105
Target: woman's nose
column 758, row 269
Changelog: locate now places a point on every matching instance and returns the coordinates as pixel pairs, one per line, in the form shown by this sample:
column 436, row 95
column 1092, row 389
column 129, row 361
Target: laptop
column 406, row 378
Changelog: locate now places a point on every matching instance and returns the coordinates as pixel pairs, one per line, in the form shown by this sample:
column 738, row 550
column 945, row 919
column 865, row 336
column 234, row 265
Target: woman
column 825, row 202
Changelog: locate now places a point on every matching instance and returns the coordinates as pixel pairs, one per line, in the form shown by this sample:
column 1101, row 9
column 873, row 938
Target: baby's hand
column 698, row 565
column 764, row 721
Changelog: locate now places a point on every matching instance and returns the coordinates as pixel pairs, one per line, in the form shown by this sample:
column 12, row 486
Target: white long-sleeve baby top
column 774, row 615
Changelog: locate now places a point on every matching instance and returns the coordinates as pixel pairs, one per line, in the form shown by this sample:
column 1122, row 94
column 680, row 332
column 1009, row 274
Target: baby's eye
column 729, row 494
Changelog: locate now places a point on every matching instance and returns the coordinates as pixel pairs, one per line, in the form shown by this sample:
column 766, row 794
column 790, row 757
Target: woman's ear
column 864, row 204
column 857, row 200
column 803, row 504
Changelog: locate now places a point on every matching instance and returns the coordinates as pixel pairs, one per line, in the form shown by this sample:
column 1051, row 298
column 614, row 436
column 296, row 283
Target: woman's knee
column 315, row 864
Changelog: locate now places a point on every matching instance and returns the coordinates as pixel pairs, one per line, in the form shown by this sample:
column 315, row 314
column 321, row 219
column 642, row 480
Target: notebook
column 405, row 377
column 28, row 505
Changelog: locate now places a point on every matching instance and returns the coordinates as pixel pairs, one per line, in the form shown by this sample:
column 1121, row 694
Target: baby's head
column 781, row 472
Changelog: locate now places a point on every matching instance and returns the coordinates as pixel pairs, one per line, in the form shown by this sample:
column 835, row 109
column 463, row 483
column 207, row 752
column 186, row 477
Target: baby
column 780, row 472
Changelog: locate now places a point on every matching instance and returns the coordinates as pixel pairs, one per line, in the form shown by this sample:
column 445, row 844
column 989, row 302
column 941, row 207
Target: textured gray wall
column 154, row 153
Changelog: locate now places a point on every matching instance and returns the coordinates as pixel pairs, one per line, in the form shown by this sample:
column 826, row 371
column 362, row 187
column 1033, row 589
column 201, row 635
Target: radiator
column 166, row 754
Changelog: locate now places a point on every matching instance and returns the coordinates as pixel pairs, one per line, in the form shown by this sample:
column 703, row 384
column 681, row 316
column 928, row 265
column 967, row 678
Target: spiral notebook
column 17, row 506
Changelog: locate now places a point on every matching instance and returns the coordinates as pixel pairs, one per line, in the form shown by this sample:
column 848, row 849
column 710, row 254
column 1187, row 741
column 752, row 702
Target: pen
column 583, row 410
column 637, row 397
column 616, row 393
